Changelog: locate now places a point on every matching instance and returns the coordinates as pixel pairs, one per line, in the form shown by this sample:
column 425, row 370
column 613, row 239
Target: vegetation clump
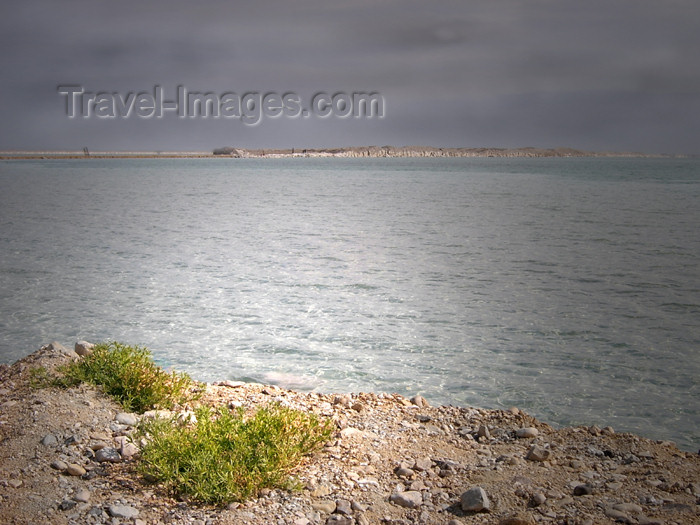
column 225, row 455
column 129, row 375
column 215, row 456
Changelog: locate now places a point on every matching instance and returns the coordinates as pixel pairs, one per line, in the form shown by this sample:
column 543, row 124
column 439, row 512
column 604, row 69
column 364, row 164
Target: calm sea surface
column 567, row 287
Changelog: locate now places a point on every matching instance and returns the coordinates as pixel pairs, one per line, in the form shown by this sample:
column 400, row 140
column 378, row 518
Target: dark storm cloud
column 605, row 75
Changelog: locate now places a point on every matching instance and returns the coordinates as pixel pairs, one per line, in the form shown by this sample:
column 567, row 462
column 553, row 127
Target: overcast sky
column 599, row 75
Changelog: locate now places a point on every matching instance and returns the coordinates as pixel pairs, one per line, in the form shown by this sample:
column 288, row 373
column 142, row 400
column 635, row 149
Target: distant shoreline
column 341, row 152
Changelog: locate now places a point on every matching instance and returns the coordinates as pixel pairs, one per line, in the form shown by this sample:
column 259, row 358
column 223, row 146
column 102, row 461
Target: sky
column 613, row 75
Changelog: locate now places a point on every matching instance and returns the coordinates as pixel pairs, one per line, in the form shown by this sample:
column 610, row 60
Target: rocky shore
column 415, row 151
column 339, row 152
column 65, row 458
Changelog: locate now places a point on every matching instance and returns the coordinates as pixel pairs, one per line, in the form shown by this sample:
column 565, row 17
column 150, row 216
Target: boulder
column 475, row 500
column 83, row 348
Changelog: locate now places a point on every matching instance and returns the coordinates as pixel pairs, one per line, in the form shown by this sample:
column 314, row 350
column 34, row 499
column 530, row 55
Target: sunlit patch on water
column 566, row 287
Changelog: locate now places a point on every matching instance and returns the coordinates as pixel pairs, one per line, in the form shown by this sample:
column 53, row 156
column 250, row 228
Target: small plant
column 227, row 456
column 40, row 377
column 129, row 375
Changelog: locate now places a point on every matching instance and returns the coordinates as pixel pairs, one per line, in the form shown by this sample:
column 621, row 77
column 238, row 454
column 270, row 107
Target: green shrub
column 225, row 456
column 129, row 375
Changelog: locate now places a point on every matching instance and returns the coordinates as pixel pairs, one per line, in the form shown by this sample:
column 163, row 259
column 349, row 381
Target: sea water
column 567, row 287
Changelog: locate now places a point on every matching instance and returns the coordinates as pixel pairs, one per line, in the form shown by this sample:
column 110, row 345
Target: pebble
column 324, row 506
column 538, row 498
column 527, row 432
column 127, row 448
column 122, row 511
column 157, row 414
column 537, row 453
column 59, row 348
column 475, row 500
column 74, row 470
column 517, row 519
column 423, row 464
column 343, row 506
column 350, row 433
column 108, row 454
column 403, row 472
column 583, row 490
column 617, row 515
column 320, row 491
column 433, row 430
column 98, row 445
column 411, row 499
column 66, row 505
column 126, row 418
column 358, row 507
column 628, row 508
column 483, row 432
column 82, row 497
column 59, row 465
column 49, row 440
column 417, row 485
column 337, row 519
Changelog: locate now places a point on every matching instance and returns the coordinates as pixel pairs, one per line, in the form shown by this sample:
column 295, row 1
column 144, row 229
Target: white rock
column 410, row 499
column 83, row 348
column 128, row 419
column 123, row 511
column 157, row 414
column 82, row 497
column 527, row 432
column 368, row 481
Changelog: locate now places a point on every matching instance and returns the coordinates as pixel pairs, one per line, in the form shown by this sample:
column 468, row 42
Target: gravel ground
column 393, row 460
